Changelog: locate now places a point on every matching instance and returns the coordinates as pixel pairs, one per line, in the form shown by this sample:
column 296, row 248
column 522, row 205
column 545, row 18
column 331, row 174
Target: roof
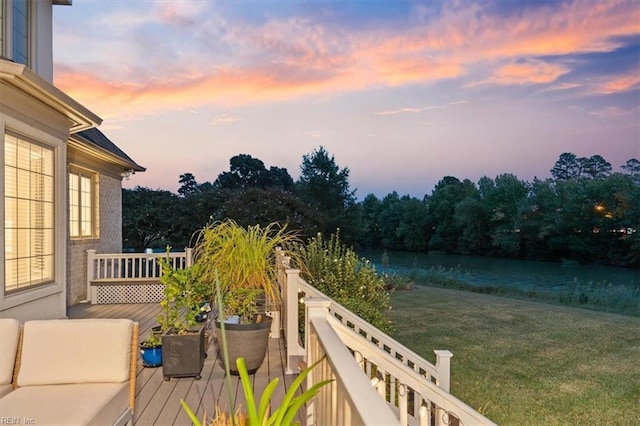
column 96, row 138
column 15, row 76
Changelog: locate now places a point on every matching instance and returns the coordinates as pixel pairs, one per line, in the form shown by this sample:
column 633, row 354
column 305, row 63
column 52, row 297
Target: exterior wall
column 49, row 123
column 27, row 117
column 109, row 240
column 41, row 46
column 42, row 43
column 77, row 270
column 110, row 215
column 32, row 107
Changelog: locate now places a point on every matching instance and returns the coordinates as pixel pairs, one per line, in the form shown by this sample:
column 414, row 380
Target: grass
column 527, row 363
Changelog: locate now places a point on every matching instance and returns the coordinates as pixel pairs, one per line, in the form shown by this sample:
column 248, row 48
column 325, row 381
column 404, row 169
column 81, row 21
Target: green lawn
column 527, row 363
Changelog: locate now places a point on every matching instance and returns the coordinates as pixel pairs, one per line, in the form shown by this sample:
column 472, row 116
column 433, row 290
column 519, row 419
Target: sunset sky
column 401, row 92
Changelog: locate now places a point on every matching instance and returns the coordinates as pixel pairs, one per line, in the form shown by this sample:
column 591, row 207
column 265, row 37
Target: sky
column 402, row 93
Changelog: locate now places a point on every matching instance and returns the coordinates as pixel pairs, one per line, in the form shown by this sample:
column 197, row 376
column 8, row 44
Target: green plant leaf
column 292, row 390
column 248, row 392
column 190, row 413
column 265, row 400
column 300, row 400
column 225, row 352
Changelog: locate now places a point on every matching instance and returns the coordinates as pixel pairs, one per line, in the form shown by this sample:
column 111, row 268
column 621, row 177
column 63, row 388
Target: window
column 20, row 31
column 29, row 213
column 82, row 223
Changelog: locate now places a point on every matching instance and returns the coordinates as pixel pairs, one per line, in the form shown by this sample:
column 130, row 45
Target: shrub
column 337, row 271
column 395, row 281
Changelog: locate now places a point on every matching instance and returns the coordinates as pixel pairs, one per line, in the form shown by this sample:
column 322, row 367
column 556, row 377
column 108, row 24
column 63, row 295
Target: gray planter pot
column 249, row 341
column 183, row 355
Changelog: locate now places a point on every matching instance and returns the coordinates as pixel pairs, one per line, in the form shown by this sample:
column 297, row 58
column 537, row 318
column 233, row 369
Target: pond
column 524, row 274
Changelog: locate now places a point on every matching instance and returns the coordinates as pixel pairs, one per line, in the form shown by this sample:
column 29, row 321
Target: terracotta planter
column 249, row 341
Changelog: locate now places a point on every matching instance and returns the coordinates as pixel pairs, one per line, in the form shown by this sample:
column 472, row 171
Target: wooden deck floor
column 158, row 401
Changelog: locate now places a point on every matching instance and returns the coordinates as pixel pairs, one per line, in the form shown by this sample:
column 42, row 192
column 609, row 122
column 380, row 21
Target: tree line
column 584, row 212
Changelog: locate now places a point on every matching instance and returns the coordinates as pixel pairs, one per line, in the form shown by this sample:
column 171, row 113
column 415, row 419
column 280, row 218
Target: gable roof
column 96, row 139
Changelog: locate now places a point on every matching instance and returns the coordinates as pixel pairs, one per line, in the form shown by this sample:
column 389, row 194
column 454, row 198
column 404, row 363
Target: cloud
column 617, row 84
column 524, row 72
column 313, row 134
column 562, row 86
column 612, row 112
column 224, row 119
column 418, row 110
column 182, row 13
column 399, row 111
column 279, row 58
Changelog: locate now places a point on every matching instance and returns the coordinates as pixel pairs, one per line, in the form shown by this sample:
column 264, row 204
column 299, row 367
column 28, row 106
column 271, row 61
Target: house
column 60, row 198
column 61, row 186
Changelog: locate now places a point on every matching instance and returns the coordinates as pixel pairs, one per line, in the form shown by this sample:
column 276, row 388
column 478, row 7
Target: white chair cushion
column 83, row 404
column 9, row 336
column 5, row 389
column 75, row 351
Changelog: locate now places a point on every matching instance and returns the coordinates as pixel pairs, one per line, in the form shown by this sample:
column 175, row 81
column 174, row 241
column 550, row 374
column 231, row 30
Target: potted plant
column 257, row 410
column 248, row 327
column 243, row 261
column 151, row 351
column 183, row 339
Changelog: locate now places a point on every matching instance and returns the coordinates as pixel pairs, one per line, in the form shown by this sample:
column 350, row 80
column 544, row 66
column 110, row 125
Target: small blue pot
column 151, row 357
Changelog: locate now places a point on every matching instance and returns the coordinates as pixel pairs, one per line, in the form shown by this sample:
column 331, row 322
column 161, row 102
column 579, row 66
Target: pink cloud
column 617, row 84
column 292, row 58
column 529, row 72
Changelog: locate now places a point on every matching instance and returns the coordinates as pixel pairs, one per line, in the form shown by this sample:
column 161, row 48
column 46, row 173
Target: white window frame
column 83, row 204
column 25, row 58
column 29, row 196
column 7, row 25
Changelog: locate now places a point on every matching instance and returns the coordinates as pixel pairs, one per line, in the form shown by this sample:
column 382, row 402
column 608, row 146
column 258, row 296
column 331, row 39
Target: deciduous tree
column 148, row 217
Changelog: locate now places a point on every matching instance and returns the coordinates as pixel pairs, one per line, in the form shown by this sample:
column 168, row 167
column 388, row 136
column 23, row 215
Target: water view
column 524, row 274
column 601, row 287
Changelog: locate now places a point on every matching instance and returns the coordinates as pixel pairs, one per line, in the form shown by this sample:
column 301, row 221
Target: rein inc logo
column 17, row 421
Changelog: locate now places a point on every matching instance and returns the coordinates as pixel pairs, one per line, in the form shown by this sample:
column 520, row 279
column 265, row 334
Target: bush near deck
column 527, row 363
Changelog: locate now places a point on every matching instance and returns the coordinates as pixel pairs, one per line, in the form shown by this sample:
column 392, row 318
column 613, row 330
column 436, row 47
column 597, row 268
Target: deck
column 158, row 401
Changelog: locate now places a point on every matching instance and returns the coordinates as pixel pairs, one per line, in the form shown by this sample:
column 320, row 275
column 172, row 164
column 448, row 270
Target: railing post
column 294, row 351
column 313, row 307
column 188, row 257
column 443, row 365
column 91, row 254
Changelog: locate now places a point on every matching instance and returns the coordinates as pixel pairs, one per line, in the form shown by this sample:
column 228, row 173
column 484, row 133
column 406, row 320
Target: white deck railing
column 129, row 268
column 349, row 399
column 414, row 389
column 364, row 362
